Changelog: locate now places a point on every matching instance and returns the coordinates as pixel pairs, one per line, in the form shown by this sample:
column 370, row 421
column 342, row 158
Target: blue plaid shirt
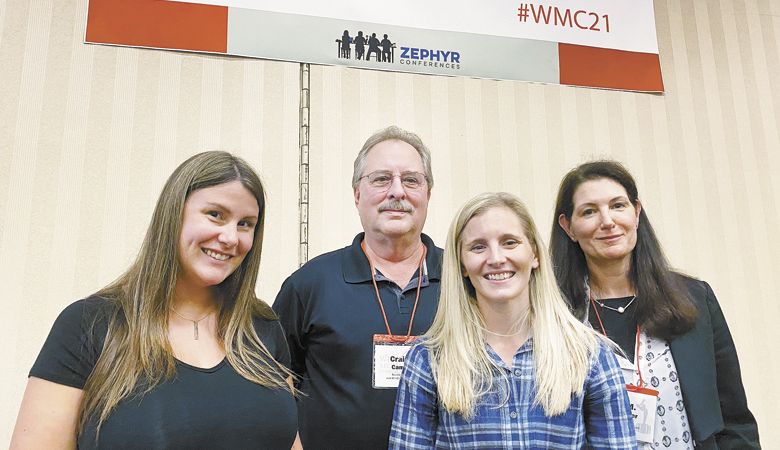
column 600, row 418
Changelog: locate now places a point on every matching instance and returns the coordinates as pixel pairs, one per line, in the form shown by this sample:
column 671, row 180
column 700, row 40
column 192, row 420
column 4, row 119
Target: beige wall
column 88, row 135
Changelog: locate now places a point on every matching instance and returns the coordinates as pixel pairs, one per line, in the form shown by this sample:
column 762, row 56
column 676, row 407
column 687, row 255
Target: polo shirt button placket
column 517, row 373
column 403, row 309
column 513, row 414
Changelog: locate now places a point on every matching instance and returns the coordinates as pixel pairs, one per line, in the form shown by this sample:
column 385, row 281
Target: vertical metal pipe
column 303, row 184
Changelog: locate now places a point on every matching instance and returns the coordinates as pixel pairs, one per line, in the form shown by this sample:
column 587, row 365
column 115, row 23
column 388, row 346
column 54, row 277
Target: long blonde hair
column 136, row 355
column 562, row 346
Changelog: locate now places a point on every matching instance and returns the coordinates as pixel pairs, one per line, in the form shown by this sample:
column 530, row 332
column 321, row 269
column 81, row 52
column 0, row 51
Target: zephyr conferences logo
column 425, row 57
column 368, row 47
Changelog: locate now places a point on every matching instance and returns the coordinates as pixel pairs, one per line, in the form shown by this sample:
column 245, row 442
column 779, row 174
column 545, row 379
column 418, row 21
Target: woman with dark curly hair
column 679, row 360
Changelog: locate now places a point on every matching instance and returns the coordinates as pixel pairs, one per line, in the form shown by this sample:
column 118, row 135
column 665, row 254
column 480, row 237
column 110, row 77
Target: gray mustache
column 396, row 205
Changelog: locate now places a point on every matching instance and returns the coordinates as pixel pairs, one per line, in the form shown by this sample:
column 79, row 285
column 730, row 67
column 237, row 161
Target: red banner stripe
column 607, row 68
column 160, row 24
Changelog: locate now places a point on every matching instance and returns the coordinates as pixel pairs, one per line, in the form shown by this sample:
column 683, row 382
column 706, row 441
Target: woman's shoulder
column 417, row 369
column 263, row 317
column 87, row 313
column 90, row 315
column 698, row 290
column 605, row 374
column 75, row 342
column 604, row 356
column 419, row 355
column 270, row 332
column 690, row 282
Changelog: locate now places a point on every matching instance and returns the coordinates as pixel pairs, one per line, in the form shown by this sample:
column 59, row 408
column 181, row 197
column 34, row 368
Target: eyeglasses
column 381, row 179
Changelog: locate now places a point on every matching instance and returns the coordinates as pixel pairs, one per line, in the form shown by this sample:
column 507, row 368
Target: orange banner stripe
column 156, row 23
column 607, row 68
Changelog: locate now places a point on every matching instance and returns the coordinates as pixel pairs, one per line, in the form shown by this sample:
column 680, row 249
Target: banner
column 606, row 43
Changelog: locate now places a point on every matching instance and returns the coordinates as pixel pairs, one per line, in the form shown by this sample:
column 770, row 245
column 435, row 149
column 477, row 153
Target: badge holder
column 389, row 356
column 643, row 404
column 389, row 350
column 643, row 401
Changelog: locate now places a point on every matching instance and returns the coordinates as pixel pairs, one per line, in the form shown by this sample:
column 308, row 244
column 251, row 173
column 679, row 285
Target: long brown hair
column 665, row 309
column 136, row 355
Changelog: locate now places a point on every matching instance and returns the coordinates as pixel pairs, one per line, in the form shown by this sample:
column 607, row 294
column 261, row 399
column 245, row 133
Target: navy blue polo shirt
column 329, row 311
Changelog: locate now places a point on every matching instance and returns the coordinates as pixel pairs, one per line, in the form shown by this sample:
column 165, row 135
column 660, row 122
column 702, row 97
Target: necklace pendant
column 621, row 310
column 195, row 325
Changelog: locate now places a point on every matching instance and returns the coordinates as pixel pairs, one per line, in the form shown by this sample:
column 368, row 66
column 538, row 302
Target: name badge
column 643, row 404
column 389, row 355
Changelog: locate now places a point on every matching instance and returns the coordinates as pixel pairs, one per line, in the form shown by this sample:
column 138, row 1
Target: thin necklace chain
column 194, row 322
column 504, row 335
column 619, row 309
column 522, row 323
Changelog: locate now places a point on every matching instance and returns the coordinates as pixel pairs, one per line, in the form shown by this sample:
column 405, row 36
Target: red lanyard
column 636, row 348
column 379, row 298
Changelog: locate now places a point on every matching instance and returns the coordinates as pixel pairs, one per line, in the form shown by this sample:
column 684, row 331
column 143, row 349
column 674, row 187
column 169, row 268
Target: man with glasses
column 350, row 315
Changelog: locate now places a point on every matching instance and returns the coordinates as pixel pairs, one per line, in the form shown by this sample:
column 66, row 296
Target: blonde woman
column 178, row 352
column 505, row 364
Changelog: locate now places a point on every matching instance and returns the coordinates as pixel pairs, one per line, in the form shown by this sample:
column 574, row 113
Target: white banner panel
column 614, row 24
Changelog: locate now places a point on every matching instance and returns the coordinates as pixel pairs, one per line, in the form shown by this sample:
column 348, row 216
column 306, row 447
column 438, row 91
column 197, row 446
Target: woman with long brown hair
column 679, row 359
column 178, row 352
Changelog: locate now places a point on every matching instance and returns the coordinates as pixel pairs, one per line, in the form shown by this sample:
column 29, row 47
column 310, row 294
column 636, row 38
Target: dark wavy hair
column 666, row 309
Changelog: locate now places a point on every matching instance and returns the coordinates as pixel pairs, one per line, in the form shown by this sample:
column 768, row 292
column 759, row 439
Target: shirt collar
column 527, row 346
column 355, row 267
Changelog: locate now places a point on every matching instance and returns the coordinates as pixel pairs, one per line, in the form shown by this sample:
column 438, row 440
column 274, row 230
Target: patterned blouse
column 671, row 430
